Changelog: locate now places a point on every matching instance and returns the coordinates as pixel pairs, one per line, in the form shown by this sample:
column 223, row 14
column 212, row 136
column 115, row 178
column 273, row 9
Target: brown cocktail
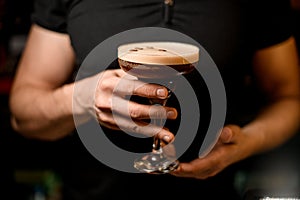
column 158, row 62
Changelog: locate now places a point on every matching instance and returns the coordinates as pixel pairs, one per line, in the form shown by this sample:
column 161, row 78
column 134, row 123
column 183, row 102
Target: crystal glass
column 158, row 62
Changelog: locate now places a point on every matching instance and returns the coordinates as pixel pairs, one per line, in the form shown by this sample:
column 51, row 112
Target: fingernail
column 161, row 92
column 171, row 114
column 166, row 139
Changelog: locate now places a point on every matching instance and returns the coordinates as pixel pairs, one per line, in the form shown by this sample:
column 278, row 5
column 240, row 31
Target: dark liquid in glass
column 170, row 60
column 150, row 71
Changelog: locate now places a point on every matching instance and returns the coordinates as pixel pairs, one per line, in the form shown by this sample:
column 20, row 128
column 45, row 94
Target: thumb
column 229, row 134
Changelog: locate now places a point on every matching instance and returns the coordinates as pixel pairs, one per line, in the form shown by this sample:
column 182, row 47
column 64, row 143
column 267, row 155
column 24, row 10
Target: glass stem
column 156, row 140
column 159, row 122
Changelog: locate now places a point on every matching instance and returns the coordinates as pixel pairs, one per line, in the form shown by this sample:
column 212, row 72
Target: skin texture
column 41, row 102
column 277, row 71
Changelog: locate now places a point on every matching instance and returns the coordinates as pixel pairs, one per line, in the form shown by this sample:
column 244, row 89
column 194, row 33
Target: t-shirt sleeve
column 270, row 22
column 50, row 14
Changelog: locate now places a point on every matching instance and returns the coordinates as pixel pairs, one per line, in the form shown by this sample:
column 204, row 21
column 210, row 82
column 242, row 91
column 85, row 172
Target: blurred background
column 25, row 173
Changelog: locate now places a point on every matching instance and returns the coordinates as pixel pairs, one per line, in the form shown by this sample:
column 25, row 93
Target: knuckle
column 125, row 86
column 150, row 91
column 100, row 103
column 105, row 84
column 157, row 112
column 146, row 89
column 101, row 117
column 135, row 128
column 106, row 119
column 135, row 113
column 131, row 86
column 161, row 133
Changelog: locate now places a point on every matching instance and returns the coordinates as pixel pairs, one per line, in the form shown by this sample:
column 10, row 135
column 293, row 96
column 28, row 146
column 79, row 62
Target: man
column 249, row 41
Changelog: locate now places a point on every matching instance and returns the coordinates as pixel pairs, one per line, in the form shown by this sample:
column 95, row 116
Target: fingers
column 201, row 168
column 195, row 169
column 229, row 134
column 184, row 170
column 224, row 153
column 135, row 87
column 118, row 122
column 226, row 135
column 140, row 111
column 134, row 110
column 188, row 170
column 116, row 112
column 123, row 84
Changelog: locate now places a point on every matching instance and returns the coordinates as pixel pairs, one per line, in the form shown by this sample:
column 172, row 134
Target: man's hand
column 106, row 97
column 229, row 149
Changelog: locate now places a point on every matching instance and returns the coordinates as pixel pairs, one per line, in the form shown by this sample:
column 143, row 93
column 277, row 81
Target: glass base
column 156, row 163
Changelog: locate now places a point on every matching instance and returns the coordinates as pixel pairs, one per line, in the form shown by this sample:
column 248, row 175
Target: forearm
column 275, row 125
column 277, row 72
column 42, row 114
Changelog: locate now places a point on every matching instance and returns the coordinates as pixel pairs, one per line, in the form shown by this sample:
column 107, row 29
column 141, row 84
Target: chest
column 215, row 24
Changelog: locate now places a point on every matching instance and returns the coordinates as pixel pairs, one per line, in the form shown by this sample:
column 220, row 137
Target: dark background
column 25, row 165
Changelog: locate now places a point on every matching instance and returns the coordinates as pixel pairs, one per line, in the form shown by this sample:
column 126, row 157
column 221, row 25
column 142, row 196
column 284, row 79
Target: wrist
column 82, row 99
column 255, row 137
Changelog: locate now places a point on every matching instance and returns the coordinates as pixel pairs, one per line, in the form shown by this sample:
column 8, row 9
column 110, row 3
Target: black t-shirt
column 230, row 31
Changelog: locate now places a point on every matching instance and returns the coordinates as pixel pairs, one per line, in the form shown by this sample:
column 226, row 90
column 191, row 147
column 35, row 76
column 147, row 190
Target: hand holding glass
column 158, row 62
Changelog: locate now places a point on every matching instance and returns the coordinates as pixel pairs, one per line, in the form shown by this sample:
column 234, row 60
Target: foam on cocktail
column 159, row 53
column 157, row 59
